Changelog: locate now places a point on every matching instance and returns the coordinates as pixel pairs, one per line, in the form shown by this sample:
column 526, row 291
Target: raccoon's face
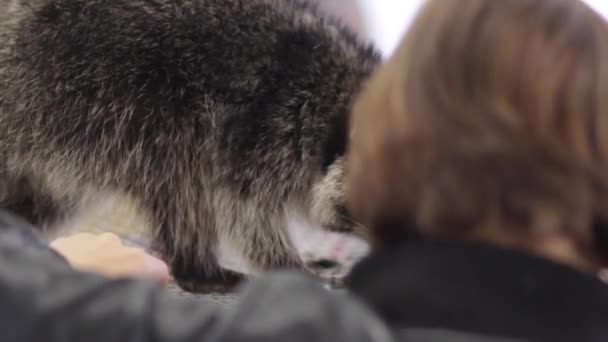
column 328, row 206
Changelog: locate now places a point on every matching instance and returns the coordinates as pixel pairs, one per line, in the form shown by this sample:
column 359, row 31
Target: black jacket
column 43, row 300
column 457, row 291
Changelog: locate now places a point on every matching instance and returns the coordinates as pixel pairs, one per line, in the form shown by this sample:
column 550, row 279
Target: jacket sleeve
column 43, row 299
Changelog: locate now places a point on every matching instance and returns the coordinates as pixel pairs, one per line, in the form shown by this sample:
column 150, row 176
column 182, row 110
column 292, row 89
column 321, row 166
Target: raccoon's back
column 148, row 62
column 241, row 78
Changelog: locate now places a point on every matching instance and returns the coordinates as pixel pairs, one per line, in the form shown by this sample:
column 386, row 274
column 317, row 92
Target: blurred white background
column 386, row 20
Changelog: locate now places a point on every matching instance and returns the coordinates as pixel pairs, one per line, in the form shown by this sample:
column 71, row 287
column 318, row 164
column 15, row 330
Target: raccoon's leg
column 263, row 241
column 19, row 197
column 187, row 240
column 197, row 270
column 6, row 186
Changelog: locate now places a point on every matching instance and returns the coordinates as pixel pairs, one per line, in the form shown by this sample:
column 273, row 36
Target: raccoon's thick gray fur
column 217, row 117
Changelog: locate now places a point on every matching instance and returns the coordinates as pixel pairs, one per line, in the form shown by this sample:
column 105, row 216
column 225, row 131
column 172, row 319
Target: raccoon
column 218, row 118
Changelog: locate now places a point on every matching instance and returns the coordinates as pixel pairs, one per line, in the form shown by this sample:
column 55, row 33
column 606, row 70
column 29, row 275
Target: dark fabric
column 43, row 299
column 479, row 289
column 428, row 291
column 443, row 335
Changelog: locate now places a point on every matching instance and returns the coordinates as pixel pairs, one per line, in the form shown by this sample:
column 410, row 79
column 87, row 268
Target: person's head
column 490, row 122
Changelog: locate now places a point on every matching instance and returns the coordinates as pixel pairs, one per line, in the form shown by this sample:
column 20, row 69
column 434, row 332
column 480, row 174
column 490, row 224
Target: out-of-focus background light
column 386, row 20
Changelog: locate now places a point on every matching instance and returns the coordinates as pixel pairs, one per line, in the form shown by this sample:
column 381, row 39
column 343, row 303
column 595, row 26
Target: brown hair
column 489, row 111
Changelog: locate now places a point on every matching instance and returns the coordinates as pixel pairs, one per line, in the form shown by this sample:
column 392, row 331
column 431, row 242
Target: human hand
column 105, row 254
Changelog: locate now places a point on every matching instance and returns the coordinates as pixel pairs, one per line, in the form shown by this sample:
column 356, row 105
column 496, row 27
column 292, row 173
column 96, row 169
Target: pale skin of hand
column 105, row 254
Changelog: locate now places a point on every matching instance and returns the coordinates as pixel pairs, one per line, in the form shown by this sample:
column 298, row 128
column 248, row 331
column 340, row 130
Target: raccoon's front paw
column 220, row 282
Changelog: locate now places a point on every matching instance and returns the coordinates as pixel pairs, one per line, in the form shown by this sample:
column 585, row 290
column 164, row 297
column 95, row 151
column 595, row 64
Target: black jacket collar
column 477, row 288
